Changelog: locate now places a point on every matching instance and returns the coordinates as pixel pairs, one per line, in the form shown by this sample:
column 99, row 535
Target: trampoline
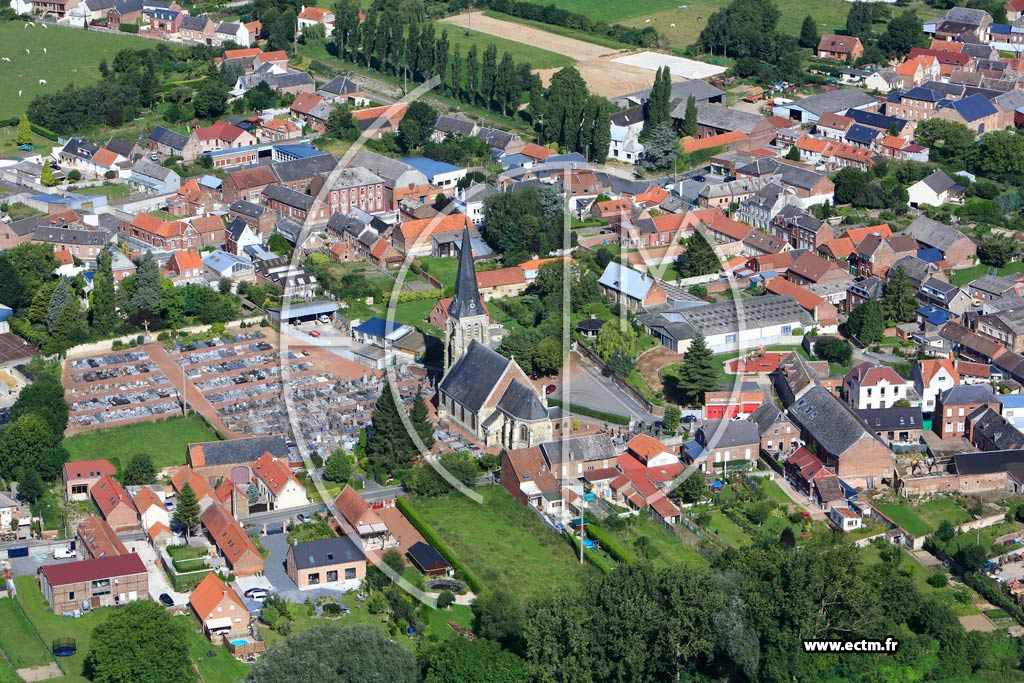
column 64, row 647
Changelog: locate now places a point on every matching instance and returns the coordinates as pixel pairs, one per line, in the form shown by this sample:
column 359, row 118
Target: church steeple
column 466, row 302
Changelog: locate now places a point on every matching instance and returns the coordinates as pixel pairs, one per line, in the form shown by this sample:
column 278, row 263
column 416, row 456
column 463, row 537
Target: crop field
column 72, row 56
column 535, row 56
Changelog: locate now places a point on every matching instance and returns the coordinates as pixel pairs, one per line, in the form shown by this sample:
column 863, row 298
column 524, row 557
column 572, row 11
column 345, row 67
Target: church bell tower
column 467, row 319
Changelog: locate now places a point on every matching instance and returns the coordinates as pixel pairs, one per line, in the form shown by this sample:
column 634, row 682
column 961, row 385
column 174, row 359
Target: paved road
column 589, row 389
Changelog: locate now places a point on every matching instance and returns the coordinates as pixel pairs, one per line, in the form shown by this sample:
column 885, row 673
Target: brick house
column 247, row 183
column 634, row 290
column 501, row 283
column 295, row 205
column 843, row 48
column 312, row 110
column 187, row 265
column 115, row 504
column 219, row 609
column 161, row 234
column 954, row 246
column 811, row 269
column 234, row 545
column 952, row 406
column 98, row 538
column 337, row 563
column 276, row 483
column 412, row 237
column 255, row 216
column 80, row 477
column 778, row 433
column 351, row 188
column 105, row 582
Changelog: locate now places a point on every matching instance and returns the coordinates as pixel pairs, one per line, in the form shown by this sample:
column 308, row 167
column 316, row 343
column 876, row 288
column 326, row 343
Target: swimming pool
column 239, row 641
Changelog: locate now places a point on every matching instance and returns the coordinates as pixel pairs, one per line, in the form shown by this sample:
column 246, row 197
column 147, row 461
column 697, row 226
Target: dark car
column 688, row 418
column 699, row 178
column 167, row 599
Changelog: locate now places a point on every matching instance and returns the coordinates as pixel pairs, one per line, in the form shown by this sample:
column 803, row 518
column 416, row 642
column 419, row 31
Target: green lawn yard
column 441, row 269
column 72, row 56
column 666, row 547
column 774, row 492
column 19, row 640
column 503, row 543
column 9, row 141
column 112, row 191
column 967, row 275
column 727, row 531
column 925, row 518
column 163, row 441
column 414, row 314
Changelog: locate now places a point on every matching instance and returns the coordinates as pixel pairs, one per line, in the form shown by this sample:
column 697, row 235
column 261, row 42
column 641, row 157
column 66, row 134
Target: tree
column 102, row 310
column 426, row 481
column 699, row 258
column 499, row 615
column 458, row 660
column 24, row 130
column 23, row 442
column 902, row 34
column 47, row 178
column 1000, row 155
column 793, row 154
column 809, row 36
column 563, row 108
column 416, row 125
column 58, row 300
column 744, row 28
column 658, row 107
column 140, row 643
column 211, row 100
column 690, row 117
column 279, row 244
column 661, row 148
column 860, row 20
column 339, row 467
column 338, row 654
column 139, row 471
column 997, row 250
column 421, row 419
column 389, row 446
column 44, row 398
column 900, row 303
column 948, row 142
column 341, row 125
column 445, row 599
column 148, row 289
column 850, row 182
column 617, row 336
column 694, row 488
column 670, row 421
column 945, row 532
column 30, row 484
column 697, row 373
column 834, row 350
column 186, row 513
column 866, row 322
column 971, row 557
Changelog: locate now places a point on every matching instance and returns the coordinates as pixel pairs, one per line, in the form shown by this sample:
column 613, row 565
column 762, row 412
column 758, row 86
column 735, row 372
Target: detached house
column 105, row 582
column 234, row 545
column 219, row 609
column 166, row 143
column 935, row 190
column 954, row 247
column 80, row 477
column 277, row 485
column 631, row 289
column 843, row 48
column 115, row 504
column 337, row 563
column 870, row 386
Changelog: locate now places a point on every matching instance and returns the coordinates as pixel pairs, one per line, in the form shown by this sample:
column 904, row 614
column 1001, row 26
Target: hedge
column 592, row 555
column 590, row 412
column 186, row 566
column 128, row 28
column 405, row 297
column 431, row 537
column 609, row 545
column 43, row 132
column 186, row 582
column 992, row 591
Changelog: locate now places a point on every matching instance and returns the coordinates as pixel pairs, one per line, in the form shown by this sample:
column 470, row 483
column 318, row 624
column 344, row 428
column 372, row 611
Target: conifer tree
column 421, row 420
column 102, row 311
column 187, row 511
column 899, row 304
column 697, row 373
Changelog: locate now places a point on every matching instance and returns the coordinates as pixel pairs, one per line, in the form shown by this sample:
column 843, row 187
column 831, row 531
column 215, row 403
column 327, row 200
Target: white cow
column 19, row 93
column 44, row 50
column 42, row 81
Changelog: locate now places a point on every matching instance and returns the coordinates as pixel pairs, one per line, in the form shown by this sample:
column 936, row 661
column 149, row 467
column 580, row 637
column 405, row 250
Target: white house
column 277, row 485
column 935, row 190
column 439, row 174
column 931, row 378
column 151, row 508
column 651, row 451
column 870, row 386
column 470, row 201
column 232, row 31
column 625, row 142
column 311, row 16
column 883, row 81
column 7, row 508
column 844, row 518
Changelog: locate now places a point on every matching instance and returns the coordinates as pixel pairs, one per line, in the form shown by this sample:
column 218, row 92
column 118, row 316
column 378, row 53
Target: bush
column 938, row 580
column 431, row 537
column 592, row 555
column 128, row 28
column 609, row 545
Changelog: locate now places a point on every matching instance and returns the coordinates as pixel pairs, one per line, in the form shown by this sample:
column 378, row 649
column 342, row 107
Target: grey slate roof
column 828, row 420
column 993, row 427
column 498, row 139
column 394, row 172
column 165, row 136
column 728, row 434
column 148, row 168
column 456, row 124
column 242, row 450
column 891, row 419
column 119, row 146
column 353, row 176
column 724, row 118
column 724, row 317
column 987, row 462
column 473, row 376
column 236, row 227
column 917, row 269
column 765, row 416
column 303, row 169
column 247, row 208
column 627, row 117
column 326, row 552
column 194, row 23
column 933, row 233
column 835, row 101
column 520, row 402
column 938, row 181
column 580, row 449
column 967, row 393
column 289, row 197
column 340, row 85
column 69, row 236
column 466, row 300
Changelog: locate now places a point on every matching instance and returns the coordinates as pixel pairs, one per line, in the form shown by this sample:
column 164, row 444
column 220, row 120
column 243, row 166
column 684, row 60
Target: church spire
column 466, row 302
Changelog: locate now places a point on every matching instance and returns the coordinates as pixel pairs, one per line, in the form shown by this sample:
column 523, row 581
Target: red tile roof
column 209, row 594
column 146, row 499
column 99, row 538
column 500, row 277
column 274, row 474
column 88, row 469
column 109, row 495
column 305, row 102
column 722, row 139
column 228, row 534
column 220, row 130
column 314, row 14
column 185, row 260
column 929, row 368
column 91, row 570
column 434, row 226
column 645, row 447
column 807, row 300
column 247, row 52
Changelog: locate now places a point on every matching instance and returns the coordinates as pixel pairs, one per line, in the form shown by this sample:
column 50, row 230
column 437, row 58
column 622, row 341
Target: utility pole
column 583, row 530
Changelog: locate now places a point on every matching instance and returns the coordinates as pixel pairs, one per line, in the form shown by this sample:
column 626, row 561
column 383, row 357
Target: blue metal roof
column 429, row 167
column 974, row 107
column 1012, row 400
column 870, row 118
column 923, row 94
column 378, row 327
column 934, row 315
column 221, row 261
column 210, row 181
column 298, row 151
column 515, row 160
column 1002, row 29
column 632, row 283
column 929, row 255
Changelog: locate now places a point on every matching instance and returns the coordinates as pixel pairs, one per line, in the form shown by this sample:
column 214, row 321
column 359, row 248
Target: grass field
column 727, row 531
column 19, row 640
column 926, row 518
column 9, row 140
column 442, row 269
column 414, row 313
column 537, row 57
column 163, row 441
column 666, row 548
column 72, row 56
column 503, row 543
column 966, row 275
column 112, row 191
column 774, row 492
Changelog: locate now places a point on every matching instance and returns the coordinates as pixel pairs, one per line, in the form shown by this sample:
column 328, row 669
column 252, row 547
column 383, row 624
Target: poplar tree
column 102, row 312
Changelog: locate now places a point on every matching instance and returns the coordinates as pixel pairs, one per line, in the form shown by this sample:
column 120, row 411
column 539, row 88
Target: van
column 64, row 553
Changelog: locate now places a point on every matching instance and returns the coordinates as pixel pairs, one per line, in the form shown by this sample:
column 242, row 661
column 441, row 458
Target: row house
column 953, row 405
column 800, row 229
column 160, row 234
column 1005, row 327
column 351, row 188
column 254, row 215
column 298, row 174
column 876, row 254
column 942, row 294
column 312, row 110
column 295, row 205
column 223, row 135
column 931, row 377
column 196, row 29
column 247, row 184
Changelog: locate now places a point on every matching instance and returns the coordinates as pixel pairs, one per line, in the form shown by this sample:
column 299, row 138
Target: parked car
column 167, row 600
column 688, row 418
column 64, row 553
column 257, row 594
column 314, row 333
column 324, row 319
column 304, row 517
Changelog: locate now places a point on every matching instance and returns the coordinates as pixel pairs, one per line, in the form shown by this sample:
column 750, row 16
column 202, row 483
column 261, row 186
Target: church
column 483, row 392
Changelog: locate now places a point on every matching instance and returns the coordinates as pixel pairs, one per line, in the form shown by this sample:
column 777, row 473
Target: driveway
column 274, row 577
column 158, row 581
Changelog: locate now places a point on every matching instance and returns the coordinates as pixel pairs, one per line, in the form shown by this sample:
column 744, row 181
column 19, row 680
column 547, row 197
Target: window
column 787, row 330
column 71, row 595
column 332, row 576
column 730, row 339
column 350, row 573
column 314, row 578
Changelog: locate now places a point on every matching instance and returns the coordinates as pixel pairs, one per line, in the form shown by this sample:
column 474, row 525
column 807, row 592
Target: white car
column 64, row 553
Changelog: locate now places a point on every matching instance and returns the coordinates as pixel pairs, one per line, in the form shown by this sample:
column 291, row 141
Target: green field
column 72, row 56
column 18, row 639
column 775, row 492
column 503, row 543
column 925, row 518
column 9, row 141
column 112, row 191
column 441, row 269
column 163, row 441
column 414, row 314
column 665, row 548
column 537, row 57
column 967, row 275
column 727, row 531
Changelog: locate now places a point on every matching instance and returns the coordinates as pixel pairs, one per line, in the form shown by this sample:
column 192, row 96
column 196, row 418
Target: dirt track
column 605, row 77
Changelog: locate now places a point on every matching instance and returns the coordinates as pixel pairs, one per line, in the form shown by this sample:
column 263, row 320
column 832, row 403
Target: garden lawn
column 164, row 441
column 536, row 57
column 441, row 269
column 925, row 518
column 19, row 639
column 9, row 140
column 666, row 548
column 774, row 492
column 19, row 211
column 414, row 314
column 72, row 56
column 112, row 191
column 222, row 668
column 502, row 543
column 726, row 530
column 967, row 275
